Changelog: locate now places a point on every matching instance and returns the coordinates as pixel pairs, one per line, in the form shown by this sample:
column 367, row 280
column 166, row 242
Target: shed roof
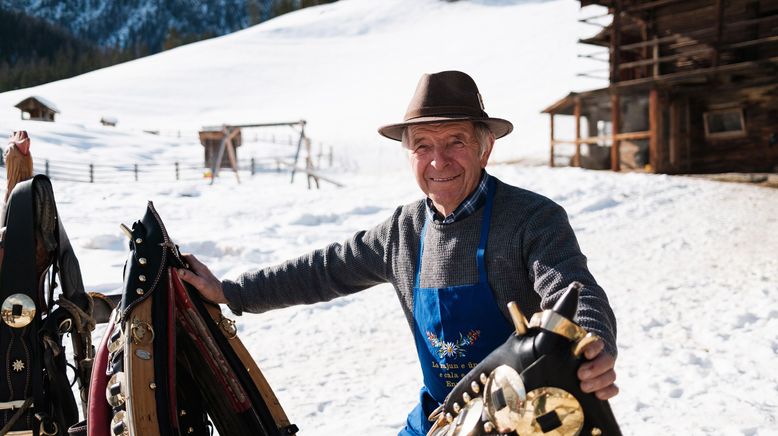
column 40, row 100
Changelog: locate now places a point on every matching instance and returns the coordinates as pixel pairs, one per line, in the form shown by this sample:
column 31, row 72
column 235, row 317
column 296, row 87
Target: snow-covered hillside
column 689, row 265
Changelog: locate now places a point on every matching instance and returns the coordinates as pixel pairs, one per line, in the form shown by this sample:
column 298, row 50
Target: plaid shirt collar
column 473, row 201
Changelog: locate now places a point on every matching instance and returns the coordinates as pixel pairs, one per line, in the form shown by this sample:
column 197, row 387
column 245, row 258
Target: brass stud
column 139, row 291
column 483, row 378
column 182, row 412
column 153, row 386
column 190, row 430
column 139, row 241
column 142, row 278
column 449, row 418
column 466, row 397
column 488, row 427
column 456, row 407
column 475, row 387
column 142, row 261
column 596, row 431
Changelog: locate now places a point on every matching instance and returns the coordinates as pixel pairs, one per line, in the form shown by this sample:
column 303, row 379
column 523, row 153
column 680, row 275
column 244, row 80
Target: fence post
column 177, row 177
column 47, row 168
column 91, row 173
column 330, row 159
column 252, row 166
column 135, row 170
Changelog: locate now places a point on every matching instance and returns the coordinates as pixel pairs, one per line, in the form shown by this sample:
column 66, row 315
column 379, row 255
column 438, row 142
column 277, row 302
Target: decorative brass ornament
column 126, row 230
column 116, row 343
column 519, row 322
column 582, row 343
column 228, row 326
column 141, row 332
column 142, row 261
column 439, row 427
column 18, row 365
column 456, row 407
column 505, row 396
column 139, row 291
column 114, row 390
column 142, row 278
column 436, row 413
column 483, row 377
column 53, row 431
column 139, row 241
column 556, row 323
column 596, row 432
column 466, row 397
column 119, row 424
column 551, row 411
column 18, row 311
column 468, row 423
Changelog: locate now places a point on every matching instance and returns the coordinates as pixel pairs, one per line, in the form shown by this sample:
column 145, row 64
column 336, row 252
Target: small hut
column 37, row 108
column 212, row 137
column 108, row 121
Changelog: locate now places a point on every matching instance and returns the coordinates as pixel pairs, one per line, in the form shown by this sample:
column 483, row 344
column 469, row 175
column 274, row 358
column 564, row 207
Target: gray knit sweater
column 531, row 256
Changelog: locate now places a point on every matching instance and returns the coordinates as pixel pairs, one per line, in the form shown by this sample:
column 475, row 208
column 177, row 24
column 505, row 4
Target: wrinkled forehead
column 459, row 129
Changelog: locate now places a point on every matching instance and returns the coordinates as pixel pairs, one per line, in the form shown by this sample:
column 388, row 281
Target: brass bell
column 551, row 411
column 468, row 423
column 505, row 396
column 18, row 311
column 119, row 425
column 114, row 391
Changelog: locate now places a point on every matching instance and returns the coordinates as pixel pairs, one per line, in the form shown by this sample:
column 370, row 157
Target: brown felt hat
column 444, row 97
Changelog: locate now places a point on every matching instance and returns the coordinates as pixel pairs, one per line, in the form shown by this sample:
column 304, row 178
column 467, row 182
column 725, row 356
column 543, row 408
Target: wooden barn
column 693, row 89
column 37, row 108
column 211, row 138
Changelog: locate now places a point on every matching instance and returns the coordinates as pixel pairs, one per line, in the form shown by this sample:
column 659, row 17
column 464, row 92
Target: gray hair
column 483, row 134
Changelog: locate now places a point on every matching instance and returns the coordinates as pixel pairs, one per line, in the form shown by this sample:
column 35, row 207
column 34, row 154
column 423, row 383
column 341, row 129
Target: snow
column 689, row 265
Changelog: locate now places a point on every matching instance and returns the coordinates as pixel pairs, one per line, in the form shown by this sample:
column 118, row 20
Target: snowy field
column 690, row 265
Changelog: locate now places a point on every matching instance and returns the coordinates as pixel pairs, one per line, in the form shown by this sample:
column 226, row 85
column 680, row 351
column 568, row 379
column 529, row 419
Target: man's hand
column 203, row 280
column 21, row 140
column 597, row 374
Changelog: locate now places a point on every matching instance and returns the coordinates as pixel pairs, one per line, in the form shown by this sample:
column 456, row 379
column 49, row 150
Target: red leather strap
column 99, row 416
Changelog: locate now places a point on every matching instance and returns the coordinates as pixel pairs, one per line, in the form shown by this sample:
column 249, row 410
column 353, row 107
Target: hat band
column 445, row 111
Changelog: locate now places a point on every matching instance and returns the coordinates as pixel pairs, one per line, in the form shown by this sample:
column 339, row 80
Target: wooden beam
column 666, row 58
column 551, row 158
column 615, row 117
column 699, row 72
column 655, row 154
column 629, row 136
column 615, row 50
column 649, row 5
column 577, row 114
column 719, row 31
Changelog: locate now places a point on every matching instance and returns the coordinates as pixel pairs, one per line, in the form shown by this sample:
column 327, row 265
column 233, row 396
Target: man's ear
column 488, row 151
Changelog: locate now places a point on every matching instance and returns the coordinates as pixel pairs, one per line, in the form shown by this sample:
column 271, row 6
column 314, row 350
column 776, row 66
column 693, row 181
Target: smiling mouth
column 444, row 179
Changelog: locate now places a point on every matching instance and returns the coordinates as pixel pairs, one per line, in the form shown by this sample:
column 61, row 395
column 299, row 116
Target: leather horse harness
column 171, row 363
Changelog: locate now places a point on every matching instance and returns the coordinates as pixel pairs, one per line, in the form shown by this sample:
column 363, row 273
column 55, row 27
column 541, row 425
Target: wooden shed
column 693, row 88
column 211, row 138
column 37, row 108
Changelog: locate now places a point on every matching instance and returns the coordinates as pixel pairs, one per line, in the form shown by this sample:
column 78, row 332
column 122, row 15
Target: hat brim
column 498, row 126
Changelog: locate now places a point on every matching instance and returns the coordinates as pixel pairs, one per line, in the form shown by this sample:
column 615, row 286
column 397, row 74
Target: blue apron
column 456, row 327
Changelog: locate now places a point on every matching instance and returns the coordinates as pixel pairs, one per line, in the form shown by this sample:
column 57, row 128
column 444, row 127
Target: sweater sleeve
column 321, row 275
column 554, row 260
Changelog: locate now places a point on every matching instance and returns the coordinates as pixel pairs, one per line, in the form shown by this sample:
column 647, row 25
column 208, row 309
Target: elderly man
column 455, row 258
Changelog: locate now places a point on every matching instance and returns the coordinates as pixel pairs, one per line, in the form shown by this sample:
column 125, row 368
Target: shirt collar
column 473, row 201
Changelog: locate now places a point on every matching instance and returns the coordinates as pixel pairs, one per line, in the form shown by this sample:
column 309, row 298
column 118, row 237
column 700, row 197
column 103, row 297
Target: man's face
column 446, row 161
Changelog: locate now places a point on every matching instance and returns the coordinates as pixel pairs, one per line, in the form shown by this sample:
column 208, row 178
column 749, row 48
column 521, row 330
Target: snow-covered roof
column 42, row 101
